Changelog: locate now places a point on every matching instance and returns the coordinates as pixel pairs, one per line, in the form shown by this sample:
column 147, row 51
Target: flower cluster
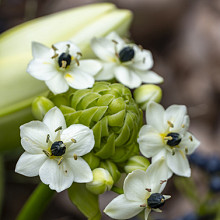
column 91, row 132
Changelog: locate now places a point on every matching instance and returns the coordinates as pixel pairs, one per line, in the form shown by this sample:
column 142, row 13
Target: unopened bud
column 136, row 163
column 146, row 93
column 40, row 106
column 112, row 169
column 102, row 181
column 92, row 160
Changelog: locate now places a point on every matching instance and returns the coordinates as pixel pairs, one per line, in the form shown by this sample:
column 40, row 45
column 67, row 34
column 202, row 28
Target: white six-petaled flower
column 128, row 63
column 142, row 191
column 60, row 67
column 165, row 135
column 54, row 152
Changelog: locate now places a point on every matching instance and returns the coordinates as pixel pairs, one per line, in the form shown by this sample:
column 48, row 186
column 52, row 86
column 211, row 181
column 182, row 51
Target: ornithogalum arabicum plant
column 89, row 131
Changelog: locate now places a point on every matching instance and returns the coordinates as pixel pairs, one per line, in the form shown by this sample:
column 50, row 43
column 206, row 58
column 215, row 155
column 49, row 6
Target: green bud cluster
column 111, row 112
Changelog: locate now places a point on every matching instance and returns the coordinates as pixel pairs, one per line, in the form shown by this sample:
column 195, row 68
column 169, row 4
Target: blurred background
column 184, row 38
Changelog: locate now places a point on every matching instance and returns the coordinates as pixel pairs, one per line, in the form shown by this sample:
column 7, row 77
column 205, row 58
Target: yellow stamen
column 64, row 63
column 60, row 160
column 47, row 153
column 168, row 138
column 55, row 55
column 73, row 140
column 170, row 124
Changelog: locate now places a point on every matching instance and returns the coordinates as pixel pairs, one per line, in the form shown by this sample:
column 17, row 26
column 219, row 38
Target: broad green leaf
column 85, row 201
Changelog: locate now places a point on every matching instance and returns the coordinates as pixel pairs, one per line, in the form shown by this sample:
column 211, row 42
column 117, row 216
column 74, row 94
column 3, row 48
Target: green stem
column 117, row 190
column 1, row 182
column 37, row 203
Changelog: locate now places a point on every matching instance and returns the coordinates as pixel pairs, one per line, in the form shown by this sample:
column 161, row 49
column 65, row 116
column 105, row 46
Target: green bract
column 110, row 111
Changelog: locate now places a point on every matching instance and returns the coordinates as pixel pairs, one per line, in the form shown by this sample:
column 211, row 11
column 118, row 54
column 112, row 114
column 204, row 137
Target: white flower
column 128, row 63
column 60, row 67
column 142, row 191
column 165, row 135
column 54, row 152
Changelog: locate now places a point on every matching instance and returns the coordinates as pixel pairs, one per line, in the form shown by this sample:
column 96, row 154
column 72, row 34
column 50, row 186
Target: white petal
column 167, row 197
column 58, row 177
column 146, row 213
column 42, row 69
column 54, row 119
column 107, row 71
column 103, row 48
column 155, row 117
column 189, row 142
column 32, row 147
column 67, row 46
column 176, row 115
column 149, row 76
column 29, row 164
column 157, row 172
column 127, row 77
column 57, row 84
column 135, row 186
column 114, row 36
column 79, row 80
column 161, row 154
column 33, row 136
column 121, row 208
column 150, row 141
column 143, row 59
column 40, row 51
column 82, row 135
column 91, row 67
column 178, row 163
column 80, row 169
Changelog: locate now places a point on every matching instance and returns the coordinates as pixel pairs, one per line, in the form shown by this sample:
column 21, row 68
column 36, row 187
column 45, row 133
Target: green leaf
column 85, row 201
column 188, row 188
column 1, row 182
column 37, row 203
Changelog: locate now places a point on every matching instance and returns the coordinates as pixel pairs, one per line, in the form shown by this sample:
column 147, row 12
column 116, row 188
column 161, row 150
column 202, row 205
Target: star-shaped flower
column 165, row 135
column 142, row 191
column 128, row 63
column 61, row 67
column 54, row 152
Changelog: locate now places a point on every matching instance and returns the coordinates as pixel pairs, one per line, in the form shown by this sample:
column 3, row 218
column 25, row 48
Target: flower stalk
column 37, row 203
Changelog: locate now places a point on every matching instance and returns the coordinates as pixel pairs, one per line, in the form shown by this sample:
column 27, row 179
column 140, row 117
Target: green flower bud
column 40, row 106
column 136, row 163
column 92, row 160
column 111, row 112
column 112, row 169
column 146, row 93
column 102, row 181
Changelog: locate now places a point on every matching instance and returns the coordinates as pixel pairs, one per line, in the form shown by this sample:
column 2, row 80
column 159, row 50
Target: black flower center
column 174, row 139
column 156, row 200
column 126, row 54
column 64, row 60
column 58, row 148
